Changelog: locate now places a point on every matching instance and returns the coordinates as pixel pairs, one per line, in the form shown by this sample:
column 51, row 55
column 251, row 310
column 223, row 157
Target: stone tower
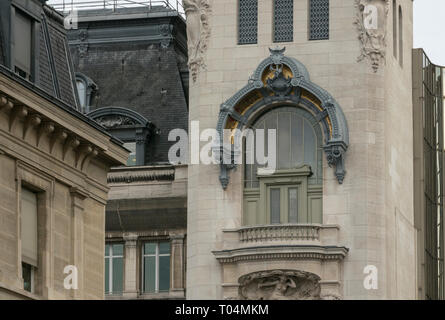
column 335, row 219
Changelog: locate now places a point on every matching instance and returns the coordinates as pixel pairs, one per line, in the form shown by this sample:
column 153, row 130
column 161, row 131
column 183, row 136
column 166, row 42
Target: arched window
column 394, row 28
column 400, row 37
column 293, row 193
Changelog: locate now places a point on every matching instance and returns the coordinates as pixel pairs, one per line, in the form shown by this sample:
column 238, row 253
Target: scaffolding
column 65, row 6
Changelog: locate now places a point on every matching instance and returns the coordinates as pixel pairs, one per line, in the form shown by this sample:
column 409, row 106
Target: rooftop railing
column 65, row 6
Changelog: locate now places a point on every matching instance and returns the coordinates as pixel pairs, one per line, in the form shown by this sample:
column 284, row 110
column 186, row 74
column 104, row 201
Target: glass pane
column 309, row 145
column 82, row 92
column 149, row 274
column 150, row 248
column 131, row 161
column 164, row 273
column 297, row 141
column 118, row 275
column 283, row 135
column 164, row 248
column 118, row 249
column 107, row 275
column 293, row 205
column 274, row 205
column 27, row 276
column 107, row 249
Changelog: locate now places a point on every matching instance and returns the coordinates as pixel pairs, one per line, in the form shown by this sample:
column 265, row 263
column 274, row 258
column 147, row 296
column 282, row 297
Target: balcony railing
column 279, row 233
column 70, row 5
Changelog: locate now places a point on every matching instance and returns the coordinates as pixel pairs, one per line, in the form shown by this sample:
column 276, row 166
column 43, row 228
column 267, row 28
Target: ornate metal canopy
column 281, row 80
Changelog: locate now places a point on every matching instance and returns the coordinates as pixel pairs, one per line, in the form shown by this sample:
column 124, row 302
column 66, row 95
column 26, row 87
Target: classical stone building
column 132, row 77
column 53, row 164
column 341, row 217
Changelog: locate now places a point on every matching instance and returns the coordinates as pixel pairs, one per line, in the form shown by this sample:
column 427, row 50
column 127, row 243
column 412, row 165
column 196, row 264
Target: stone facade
column 137, row 59
column 63, row 157
column 372, row 209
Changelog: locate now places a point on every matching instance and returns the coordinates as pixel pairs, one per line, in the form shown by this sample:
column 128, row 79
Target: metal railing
column 70, row 5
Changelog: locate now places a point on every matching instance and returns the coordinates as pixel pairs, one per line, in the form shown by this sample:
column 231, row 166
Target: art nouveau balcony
column 290, row 261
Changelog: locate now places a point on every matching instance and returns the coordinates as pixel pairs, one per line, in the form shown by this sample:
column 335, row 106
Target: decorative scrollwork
column 371, row 25
column 198, row 33
column 280, row 285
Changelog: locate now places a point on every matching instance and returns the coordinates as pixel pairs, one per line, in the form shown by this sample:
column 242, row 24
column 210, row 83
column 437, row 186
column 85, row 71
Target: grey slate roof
column 54, row 73
column 138, row 61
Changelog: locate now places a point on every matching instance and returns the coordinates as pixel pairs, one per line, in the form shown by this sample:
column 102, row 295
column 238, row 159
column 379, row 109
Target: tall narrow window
column 318, row 19
column 283, row 20
column 248, row 21
column 400, row 37
column 114, row 268
column 394, row 27
column 22, row 44
column 156, row 267
column 29, row 237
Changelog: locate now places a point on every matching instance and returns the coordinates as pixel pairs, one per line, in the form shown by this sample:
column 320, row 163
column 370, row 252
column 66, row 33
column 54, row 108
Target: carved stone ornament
column 114, row 121
column 280, row 285
column 371, row 21
column 198, row 33
column 279, row 84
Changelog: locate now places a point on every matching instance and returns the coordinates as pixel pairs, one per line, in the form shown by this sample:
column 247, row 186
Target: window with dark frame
column 248, row 21
column 23, row 43
column 283, row 20
column 318, row 19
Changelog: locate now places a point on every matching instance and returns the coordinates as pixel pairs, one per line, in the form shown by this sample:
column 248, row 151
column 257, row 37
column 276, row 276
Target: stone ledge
column 282, row 252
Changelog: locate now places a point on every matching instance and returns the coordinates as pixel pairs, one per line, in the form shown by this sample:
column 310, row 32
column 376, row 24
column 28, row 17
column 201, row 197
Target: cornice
column 281, row 252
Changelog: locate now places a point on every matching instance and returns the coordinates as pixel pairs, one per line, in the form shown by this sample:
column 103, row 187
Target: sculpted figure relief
column 280, row 285
column 198, row 33
column 371, row 23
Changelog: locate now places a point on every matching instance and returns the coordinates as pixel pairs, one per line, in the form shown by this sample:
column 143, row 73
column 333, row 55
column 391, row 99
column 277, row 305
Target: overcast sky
column 429, row 29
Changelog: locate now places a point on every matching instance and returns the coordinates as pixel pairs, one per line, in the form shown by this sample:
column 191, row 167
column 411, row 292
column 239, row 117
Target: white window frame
column 110, row 256
column 156, row 255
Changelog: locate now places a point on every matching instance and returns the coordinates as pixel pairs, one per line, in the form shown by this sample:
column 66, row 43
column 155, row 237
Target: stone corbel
column 83, row 151
column 59, row 134
column 5, row 104
column 335, row 152
column 71, row 143
column 86, row 160
column 31, row 121
column 18, row 111
column 222, row 155
column 46, row 128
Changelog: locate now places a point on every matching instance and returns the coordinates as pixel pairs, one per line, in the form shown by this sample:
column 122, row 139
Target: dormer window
column 22, row 45
column 86, row 89
column 128, row 126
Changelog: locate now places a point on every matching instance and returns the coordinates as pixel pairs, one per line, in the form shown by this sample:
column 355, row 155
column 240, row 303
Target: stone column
column 130, row 262
column 78, row 196
column 177, row 266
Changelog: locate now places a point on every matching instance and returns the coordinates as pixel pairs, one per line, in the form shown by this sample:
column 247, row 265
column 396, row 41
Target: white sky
column 429, row 27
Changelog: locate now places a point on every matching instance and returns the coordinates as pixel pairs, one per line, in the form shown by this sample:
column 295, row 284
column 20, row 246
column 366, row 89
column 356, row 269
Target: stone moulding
column 283, row 88
column 281, row 252
column 198, row 33
column 141, row 175
column 371, row 21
